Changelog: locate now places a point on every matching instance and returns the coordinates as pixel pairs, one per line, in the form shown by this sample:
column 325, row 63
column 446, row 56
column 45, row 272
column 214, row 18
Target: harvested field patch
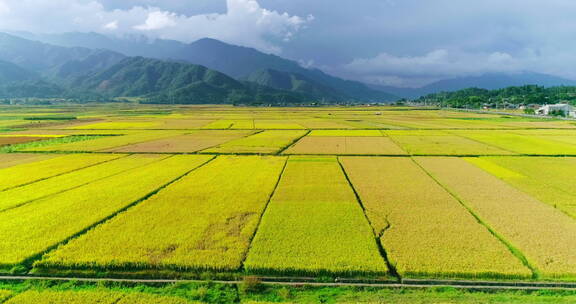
column 346, row 145
column 5, row 141
column 347, row 133
column 265, row 142
column 444, row 145
column 14, row 159
column 195, row 141
column 109, row 142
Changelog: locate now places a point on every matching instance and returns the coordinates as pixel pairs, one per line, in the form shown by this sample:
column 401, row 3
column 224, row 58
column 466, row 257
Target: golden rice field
column 95, row 297
column 209, row 192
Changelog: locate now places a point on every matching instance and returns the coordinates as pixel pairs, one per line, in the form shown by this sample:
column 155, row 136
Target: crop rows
column 204, row 221
column 92, row 297
column 426, row 233
column 550, row 180
column 264, row 142
column 27, row 173
column 33, row 228
column 26, row 194
column 314, row 225
column 543, row 234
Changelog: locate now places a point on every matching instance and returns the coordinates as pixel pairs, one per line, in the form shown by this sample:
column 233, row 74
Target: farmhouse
column 563, row 109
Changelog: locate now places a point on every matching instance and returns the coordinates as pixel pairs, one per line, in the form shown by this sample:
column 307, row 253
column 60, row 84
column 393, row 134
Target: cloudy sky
column 398, row 42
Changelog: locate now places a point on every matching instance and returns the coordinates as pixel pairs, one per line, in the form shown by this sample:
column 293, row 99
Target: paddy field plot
column 230, row 124
column 205, row 221
column 314, row 225
column 346, row 133
column 444, row 145
column 5, row 294
column 107, row 143
column 548, row 179
column 192, row 142
column 119, row 125
column 33, row 228
column 425, row 231
column 27, row 173
column 522, row 144
column 26, row 194
column 92, row 297
column 13, row 159
column 266, row 142
column 545, row 236
column 343, row 145
column 5, row 141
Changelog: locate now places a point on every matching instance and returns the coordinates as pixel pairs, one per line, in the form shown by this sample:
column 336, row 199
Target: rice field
column 408, row 224
column 71, row 212
column 95, row 297
column 266, row 142
column 209, row 192
column 544, row 235
column 346, row 145
column 554, row 185
column 219, row 205
column 333, row 237
column 192, row 142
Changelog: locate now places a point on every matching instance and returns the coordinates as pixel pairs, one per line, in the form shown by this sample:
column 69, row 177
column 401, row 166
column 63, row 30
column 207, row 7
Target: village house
column 565, row 110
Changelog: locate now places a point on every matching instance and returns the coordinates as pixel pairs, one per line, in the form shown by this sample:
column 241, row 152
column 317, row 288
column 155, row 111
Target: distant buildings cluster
column 560, row 109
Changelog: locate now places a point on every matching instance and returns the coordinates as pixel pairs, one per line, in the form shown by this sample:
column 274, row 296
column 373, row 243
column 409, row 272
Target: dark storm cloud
column 403, row 42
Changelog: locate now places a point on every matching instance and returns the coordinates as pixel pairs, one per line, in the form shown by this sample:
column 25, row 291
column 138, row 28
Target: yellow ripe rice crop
column 350, row 133
column 346, row 146
column 5, row 294
column 276, row 124
column 203, row 221
column 550, row 180
column 265, row 142
column 409, row 221
column 523, row 144
column 93, row 297
column 314, row 225
column 108, row 142
column 21, row 195
column 444, row 145
column 26, row 232
column 230, row 124
column 195, row 141
column 322, row 124
column 65, row 297
column 544, row 235
column 19, row 175
column 118, row 125
column 14, row 159
column 183, row 123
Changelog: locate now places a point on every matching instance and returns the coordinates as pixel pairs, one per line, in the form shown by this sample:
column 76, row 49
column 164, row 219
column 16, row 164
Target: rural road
column 476, row 285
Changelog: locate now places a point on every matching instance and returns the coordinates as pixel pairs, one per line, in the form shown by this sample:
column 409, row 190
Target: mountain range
column 96, row 66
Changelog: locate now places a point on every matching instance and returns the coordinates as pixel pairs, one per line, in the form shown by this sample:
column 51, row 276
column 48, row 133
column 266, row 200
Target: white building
column 565, row 109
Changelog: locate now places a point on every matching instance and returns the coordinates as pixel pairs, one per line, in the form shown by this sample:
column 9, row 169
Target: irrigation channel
column 291, row 281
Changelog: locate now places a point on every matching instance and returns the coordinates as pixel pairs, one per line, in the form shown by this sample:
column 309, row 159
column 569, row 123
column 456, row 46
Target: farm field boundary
column 307, row 155
column 406, row 283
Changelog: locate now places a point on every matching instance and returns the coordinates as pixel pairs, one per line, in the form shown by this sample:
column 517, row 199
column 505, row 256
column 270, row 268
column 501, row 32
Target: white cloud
column 111, row 25
column 443, row 63
column 439, row 62
column 245, row 22
column 158, row 20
